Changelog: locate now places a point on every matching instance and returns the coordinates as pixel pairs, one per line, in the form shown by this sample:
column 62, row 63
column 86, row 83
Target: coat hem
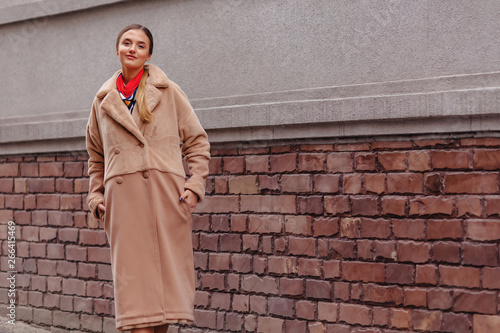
column 156, row 320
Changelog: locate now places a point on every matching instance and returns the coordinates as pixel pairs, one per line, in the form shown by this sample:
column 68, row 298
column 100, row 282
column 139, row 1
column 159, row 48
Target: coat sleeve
column 195, row 145
column 96, row 163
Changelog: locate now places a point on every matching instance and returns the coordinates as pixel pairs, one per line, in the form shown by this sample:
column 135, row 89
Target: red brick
column 483, row 230
column 492, row 206
column 431, row 205
column 485, row 324
column 355, row 314
column 383, row 294
column 294, row 326
column 467, row 277
column 450, row 159
column 51, row 169
column 284, row 204
column 258, row 304
column 97, row 254
column 323, row 226
column 233, row 164
column 201, row 222
column 238, row 223
column 296, row 183
column 446, row 252
column 250, row 242
column 76, row 253
column 352, row 183
column 471, row 183
column 221, row 185
column 221, row 301
column 417, row 252
column 487, row 159
column 419, row 161
column 427, row 274
column 427, row 320
column 477, row 302
column 73, row 169
column 71, row 202
column 230, row 242
column 363, row 271
column 400, row 274
column 353, row 147
column 282, row 307
column 67, row 269
column 480, row 254
column 205, row 318
column 439, row 299
column 442, row 229
column 327, row 311
column 337, row 204
column 413, row 229
column 392, row 161
column 339, row 162
column 220, row 223
column 264, row 224
column 291, row 287
column 365, row 247
column 375, row 183
column 218, row 204
column 365, row 161
column 213, row 281
column 268, row 183
column 234, row 322
column 265, row 285
column 55, row 251
column 298, row 225
column 480, row 142
column 14, row 201
column 283, row 163
column 331, row 269
column 257, row 163
column 92, row 237
column 415, row 297
column 310, row 205
column 218, row 261
column 404, row 183
column 270, row 325
column 456, row 322
column 310, row 267
column 342, row 248
column 365, row 205
column 31, row 234
column 400, row 319
column 341, row 291
column 318, row 289
column 433, row 183
column 9, row 169
column 302, row 246
column 282, row 265
column 491, row 277
column 469, row 206
column 326, row 183
column 81, row 185
column 371, row 228
column 86, row 271
column 241, row 303
column 7, row 185
column 379, row 145
column 312, row 162
column 243, row 185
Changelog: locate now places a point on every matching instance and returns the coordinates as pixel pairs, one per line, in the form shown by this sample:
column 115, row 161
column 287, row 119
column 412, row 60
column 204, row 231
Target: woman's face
column 133, row 49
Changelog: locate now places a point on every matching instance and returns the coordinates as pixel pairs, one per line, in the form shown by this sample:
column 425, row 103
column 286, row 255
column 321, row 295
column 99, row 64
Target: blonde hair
column 144, row 111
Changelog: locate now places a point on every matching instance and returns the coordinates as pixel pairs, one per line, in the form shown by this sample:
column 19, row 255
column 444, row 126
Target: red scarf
column 128, row 90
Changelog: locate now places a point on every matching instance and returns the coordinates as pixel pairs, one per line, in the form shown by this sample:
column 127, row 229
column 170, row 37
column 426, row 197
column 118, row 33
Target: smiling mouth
column 131, row 57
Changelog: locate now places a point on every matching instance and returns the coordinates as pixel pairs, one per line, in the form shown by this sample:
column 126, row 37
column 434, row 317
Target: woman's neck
column 129, row 73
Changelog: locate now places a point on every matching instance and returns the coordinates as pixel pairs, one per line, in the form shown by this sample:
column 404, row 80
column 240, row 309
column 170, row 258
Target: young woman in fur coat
column 140, row 126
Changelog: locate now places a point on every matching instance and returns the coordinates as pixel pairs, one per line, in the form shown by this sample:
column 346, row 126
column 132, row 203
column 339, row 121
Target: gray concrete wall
column 259, row 70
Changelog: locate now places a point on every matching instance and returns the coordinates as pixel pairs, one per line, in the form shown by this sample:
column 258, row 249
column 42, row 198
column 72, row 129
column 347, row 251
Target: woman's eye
column 141, row 46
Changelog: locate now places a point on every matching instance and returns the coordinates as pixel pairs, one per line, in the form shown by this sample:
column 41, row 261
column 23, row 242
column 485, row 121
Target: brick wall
column 366, row 237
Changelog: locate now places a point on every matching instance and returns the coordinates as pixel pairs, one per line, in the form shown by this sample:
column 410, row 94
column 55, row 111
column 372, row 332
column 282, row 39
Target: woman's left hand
column 190, row 198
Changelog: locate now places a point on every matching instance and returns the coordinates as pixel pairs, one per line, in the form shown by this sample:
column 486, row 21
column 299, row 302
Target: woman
column 138, row 121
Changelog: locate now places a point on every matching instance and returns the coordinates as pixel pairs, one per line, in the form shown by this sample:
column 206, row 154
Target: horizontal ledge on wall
column 468, row 104
column 21, row 10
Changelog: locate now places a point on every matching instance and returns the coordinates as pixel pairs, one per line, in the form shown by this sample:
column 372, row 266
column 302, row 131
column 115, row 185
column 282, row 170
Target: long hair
column 144, row 111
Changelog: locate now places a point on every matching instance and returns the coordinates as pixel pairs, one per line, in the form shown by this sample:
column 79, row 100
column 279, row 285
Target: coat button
column 145, row 174
column 119, row 180
column 117, row 150
column 141, row 145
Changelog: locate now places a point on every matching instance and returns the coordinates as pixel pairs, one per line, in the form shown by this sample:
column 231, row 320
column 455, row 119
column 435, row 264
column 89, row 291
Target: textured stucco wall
column 227, row 54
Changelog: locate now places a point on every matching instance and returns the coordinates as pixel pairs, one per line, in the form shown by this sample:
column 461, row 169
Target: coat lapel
column 113, row 105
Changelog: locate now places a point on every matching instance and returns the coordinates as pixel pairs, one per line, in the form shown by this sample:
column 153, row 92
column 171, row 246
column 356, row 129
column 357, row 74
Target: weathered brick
column 291, row 287
column 310, row 205
column 282, row 265
column 325, row 226
column 213, row 281
column 392, row 161
column 270, row 325
column 257, row 163
column 283, row 163
column 326, row 183
column 339, row 162
column 10, row 169
column 269, row 183
column 400, row 318
column 298, row 225
column 383, row 294
column 327, row 311
column 375, row 228
column 265, row 285
column 337, row 204
column 419, row 161
column 363, row 271
column 480, row 254
column 375, row 183
column 483, row 230
column 412, row 229
column 365, row 205
column 355, row 314
column 417, row 252
column 282, row 307
column 365, row 161
column 427, row 274
column 318, row 289
column 352, row 183
column 450, row 159
column 312, row 162
column 438, row 298
column 342, row 248
column 446, row 252
column 92, row 237
column 442, row 229
column 427, row 320
column 431, row 205
column 302, row 246
column 484, row 302
column 404, row 183
column 415, row 297
column 243, row 185
column 284, row 204
column 400, row 273
column 467, row 277
column 265, row 224
column 218, row 204
column 487, row 159
column 471, row 183
column 485, row 324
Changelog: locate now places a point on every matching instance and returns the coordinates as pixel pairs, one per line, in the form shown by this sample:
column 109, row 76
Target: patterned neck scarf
column 127, row 92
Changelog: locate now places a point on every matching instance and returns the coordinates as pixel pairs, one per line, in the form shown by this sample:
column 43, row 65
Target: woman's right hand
column 101, row 210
